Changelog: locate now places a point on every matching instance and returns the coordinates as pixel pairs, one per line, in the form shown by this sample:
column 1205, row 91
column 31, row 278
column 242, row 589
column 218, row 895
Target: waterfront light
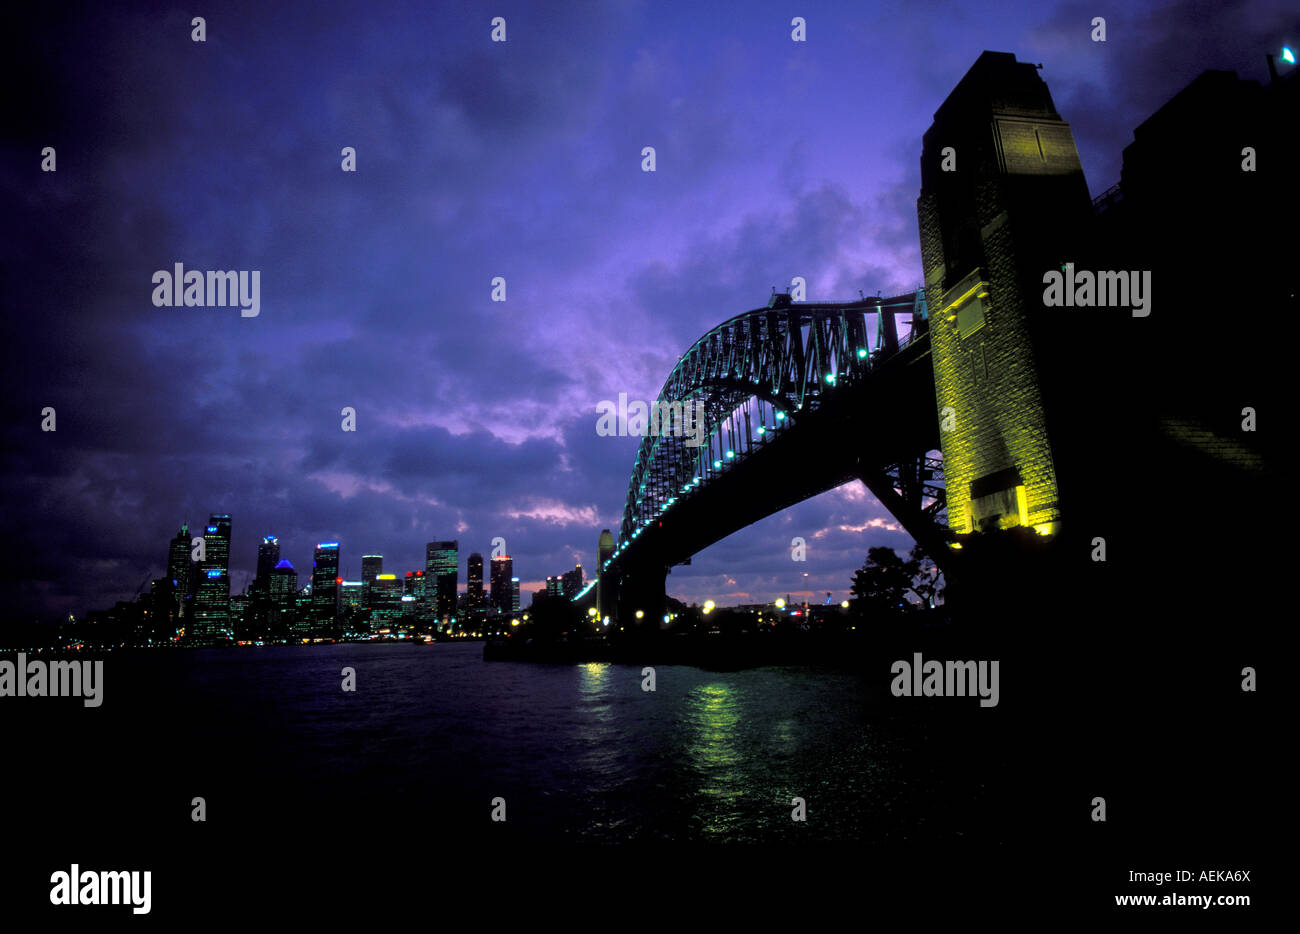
column 640, row 614
column 1287, row 55
column 844, row 604
column 780, row 603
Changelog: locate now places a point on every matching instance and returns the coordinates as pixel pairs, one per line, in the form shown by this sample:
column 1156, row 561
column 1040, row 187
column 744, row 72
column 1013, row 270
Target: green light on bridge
column 862, row 352
column 1287, row 55
column 730, row 455
column 717, row 464
column 780, row 416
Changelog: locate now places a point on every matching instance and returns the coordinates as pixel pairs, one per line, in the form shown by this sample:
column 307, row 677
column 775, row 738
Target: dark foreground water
column 335, row 795
column 579, row 753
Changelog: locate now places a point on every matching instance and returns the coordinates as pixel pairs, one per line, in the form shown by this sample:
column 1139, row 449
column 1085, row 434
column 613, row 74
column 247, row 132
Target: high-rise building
column 385, row 601
column 571, row 581
column 514, row 595
column 418, row 587
column 281, row 587
column 325, row 583
column 441, row 564
column 502, row 568
column 180, row 575
column 371, row 567
column 351, row 603
column 268, row 556
column 211, row 621
column 555, row 586
column 475, row 599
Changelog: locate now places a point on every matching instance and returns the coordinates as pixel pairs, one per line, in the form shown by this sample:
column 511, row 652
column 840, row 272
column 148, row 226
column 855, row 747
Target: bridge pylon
column 1003, row 199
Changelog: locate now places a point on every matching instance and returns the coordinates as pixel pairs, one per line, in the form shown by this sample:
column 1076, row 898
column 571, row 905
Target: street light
column 780, row 603
column 640, row 614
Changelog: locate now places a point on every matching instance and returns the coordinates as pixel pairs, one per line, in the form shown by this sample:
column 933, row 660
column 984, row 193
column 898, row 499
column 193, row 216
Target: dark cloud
column 522, row 160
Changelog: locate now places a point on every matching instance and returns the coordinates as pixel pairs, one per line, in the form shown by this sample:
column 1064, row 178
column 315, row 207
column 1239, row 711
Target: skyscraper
column 441, row 564
column 371, row 567
column 385, row 601
column 211, row 622
column 282, row 591
column 514, row 595
column 180, row 575
column 268, row 556
column 502, row 569
column 571, row 581
column 325, row 582
column 419, row 586
column 475, row 598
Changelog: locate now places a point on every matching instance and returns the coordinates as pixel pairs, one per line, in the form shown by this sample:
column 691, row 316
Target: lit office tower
column 282, row 589
column 419, row 588
column 571, row 581
column 268, row 556
column 514, row 595
column 474, row 597
column 441, row 565
column 555, row 586
column 351, row 600
column 385, row 601
column 371, row 567
column 325, row 588
column 502, row 568
column 179, row 574
column 211, row 622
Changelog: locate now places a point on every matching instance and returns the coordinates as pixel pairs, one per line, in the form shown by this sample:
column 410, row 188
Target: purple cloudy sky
column 476, row 159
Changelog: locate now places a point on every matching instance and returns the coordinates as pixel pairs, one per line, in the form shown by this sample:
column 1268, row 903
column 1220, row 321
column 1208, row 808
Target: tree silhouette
column 885, row 585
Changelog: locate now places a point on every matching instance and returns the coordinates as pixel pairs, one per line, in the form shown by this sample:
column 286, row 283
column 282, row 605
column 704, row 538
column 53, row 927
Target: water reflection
column 713, row 717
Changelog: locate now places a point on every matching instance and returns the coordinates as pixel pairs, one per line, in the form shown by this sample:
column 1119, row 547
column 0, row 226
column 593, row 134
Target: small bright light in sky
column 1287, row 55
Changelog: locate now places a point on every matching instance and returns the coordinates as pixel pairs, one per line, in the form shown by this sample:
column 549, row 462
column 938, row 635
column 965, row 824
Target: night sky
column 475, row 159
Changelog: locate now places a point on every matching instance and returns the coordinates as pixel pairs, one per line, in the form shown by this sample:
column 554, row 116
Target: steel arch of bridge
column 756, row 374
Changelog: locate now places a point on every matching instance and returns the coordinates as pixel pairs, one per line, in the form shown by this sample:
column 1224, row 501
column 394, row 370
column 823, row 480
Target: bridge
column 1036, row 432
column 797, row 399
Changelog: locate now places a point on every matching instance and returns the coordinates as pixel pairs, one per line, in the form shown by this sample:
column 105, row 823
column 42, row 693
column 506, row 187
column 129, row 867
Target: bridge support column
column 991, row 226
column 643, row 590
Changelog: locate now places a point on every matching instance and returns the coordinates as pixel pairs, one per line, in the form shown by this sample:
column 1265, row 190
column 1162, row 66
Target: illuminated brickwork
column 989, row 229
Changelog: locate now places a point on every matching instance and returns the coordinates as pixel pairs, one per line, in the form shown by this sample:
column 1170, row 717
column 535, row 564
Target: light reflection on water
column 581, row 752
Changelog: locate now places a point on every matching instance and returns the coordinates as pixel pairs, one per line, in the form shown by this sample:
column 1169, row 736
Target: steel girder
column 752, row 375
